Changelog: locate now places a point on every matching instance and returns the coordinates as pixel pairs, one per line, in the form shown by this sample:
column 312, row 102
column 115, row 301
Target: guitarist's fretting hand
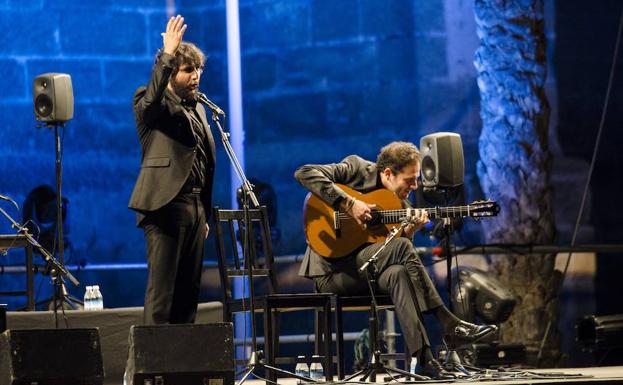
column 416, row 222
column 360, row 211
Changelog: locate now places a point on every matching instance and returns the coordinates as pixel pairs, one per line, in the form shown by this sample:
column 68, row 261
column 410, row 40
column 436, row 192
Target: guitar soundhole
column 377, row 219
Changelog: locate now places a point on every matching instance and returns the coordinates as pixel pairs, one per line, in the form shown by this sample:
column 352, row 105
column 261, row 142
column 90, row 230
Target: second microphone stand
column 58, row 270
column 255, row 360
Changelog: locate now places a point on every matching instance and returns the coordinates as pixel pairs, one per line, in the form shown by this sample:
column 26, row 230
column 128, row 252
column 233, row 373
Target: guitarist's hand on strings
column 417, row 220
column 359, row 210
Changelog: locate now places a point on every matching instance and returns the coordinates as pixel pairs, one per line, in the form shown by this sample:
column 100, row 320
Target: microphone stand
column 256, row 358
column 375, row 365
column 58, row 270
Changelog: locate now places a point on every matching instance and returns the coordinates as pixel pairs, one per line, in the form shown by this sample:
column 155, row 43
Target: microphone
column 201, row 97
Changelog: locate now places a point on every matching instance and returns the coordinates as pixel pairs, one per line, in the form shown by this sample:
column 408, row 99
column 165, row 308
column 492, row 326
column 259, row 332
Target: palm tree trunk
column 514, row 165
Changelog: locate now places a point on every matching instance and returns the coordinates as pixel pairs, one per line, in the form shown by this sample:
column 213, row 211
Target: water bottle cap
column 96, row 286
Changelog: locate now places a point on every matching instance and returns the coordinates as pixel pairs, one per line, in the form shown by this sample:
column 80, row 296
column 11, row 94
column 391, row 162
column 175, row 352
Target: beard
column 183, row 91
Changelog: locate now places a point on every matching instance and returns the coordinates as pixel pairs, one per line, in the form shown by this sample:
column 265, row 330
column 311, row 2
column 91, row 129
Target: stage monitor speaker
column 53, row 98
column 442, row 160
column 189, row 354
column 51, row 357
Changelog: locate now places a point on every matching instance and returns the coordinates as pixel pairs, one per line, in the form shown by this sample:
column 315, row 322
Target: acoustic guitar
column 334, row 234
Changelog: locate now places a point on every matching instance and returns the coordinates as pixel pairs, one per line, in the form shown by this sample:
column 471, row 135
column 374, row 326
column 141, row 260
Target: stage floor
column 604, row 375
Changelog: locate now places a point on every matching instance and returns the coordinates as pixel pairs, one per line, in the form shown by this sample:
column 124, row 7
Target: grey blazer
column 353, row 171
column 167, row 143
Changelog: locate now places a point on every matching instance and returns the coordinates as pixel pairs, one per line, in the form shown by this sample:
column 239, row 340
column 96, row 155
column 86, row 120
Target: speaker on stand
column 53, row 102
column 442, row 173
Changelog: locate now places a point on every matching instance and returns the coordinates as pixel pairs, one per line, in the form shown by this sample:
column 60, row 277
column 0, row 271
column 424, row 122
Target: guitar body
column 325, row 240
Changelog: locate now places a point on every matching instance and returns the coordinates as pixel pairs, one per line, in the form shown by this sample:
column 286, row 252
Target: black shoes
column 467, row 333
column 436, row 371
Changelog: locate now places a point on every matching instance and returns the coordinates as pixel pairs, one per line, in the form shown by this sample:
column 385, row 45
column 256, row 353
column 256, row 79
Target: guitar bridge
column 336, row 224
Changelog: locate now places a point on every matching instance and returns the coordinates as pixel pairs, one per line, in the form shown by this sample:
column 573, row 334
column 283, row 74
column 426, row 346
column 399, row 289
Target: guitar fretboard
column 397, row 216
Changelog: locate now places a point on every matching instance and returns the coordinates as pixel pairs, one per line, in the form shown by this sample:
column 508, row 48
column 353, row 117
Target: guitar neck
column 396, row 216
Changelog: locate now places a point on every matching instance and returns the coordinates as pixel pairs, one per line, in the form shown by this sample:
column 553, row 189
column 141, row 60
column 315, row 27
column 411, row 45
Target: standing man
column 401, row 273
column 173, row 193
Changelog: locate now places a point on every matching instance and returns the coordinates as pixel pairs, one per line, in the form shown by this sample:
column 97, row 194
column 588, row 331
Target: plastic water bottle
column 316, row 371
column 88, row 298
column 98, row 299
column 413, row 365
column 301, row 368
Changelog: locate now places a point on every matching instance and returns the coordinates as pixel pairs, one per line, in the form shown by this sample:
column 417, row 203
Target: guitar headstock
column 481, row 209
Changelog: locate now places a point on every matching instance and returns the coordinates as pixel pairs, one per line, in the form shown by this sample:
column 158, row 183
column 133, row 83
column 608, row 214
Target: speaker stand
column 60, row 295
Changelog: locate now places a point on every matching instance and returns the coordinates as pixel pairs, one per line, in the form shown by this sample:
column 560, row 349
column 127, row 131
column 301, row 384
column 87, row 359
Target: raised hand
column 172, row 37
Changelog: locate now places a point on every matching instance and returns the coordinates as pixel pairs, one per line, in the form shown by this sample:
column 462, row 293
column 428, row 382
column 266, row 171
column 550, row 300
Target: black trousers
column 402, row 275
column 175, row 237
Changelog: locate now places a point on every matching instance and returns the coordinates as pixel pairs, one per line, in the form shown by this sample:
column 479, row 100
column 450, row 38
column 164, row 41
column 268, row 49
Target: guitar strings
column 401, row 213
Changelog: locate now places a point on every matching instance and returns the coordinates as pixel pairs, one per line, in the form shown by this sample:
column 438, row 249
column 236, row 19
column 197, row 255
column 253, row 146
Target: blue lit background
column 321, row 79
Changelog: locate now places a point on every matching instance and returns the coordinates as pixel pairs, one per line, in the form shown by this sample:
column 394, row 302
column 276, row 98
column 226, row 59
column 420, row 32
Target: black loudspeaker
column 53, row 97
column 201, row 354
column 442, row 160
column 51, row 357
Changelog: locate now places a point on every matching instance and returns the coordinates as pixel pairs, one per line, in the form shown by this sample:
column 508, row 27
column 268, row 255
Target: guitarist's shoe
column 467, row 333
column 436, row 371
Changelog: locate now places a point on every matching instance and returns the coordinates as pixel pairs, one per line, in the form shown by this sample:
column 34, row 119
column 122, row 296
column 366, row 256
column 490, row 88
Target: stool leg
column 339, row 336
column 318, row 330
column 327, row 341
column 268, row 342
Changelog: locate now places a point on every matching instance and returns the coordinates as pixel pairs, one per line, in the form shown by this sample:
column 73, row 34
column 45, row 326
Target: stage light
column 600, row 332
column 477, row 293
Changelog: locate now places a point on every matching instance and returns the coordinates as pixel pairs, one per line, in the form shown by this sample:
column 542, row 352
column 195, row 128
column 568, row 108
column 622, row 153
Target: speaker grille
column 429, row 173
column 43, row 105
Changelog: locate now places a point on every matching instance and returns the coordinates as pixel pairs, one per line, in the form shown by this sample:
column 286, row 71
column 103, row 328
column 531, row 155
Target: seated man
column 401, row 273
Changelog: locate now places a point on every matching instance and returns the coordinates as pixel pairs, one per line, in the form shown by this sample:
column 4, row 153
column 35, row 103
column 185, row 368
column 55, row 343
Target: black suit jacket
column 167, row 143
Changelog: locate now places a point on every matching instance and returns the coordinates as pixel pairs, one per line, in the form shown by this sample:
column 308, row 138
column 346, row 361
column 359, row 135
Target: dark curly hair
column 396, row 156
column 187, row 53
